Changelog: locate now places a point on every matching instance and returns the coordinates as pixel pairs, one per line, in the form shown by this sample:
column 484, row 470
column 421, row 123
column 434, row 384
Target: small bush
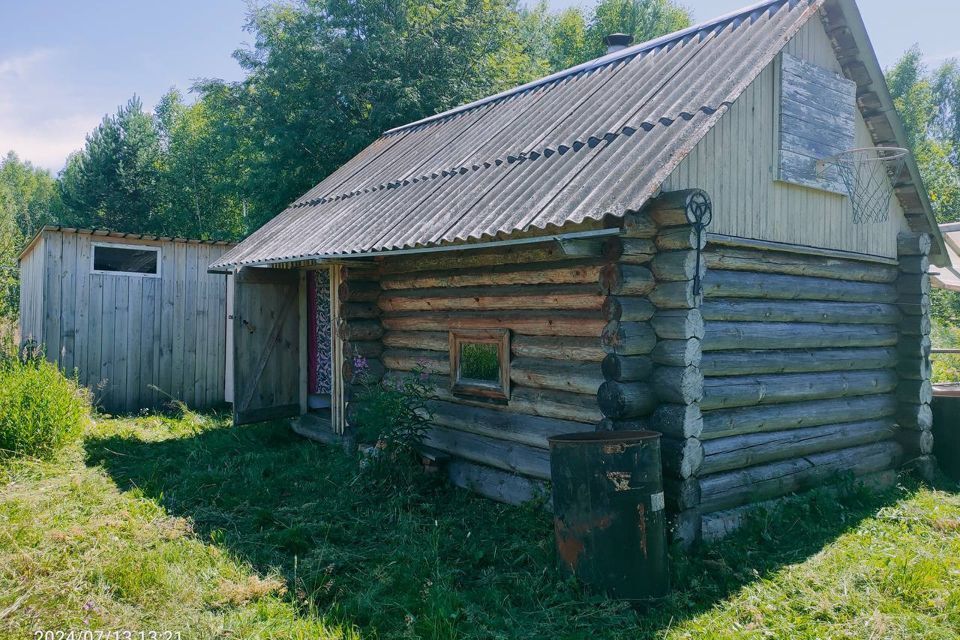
column 41, row 411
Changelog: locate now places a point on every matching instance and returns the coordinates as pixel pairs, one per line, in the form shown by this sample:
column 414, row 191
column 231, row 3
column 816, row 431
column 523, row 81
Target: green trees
column 28, row 200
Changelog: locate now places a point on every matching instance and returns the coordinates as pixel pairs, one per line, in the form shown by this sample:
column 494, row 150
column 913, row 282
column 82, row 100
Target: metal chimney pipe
column 617, row 41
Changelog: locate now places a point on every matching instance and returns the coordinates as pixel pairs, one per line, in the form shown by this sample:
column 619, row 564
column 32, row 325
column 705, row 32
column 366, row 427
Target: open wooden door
column 266, row 344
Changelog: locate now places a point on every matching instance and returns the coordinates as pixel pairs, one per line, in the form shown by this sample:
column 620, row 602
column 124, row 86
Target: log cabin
column 647, row 240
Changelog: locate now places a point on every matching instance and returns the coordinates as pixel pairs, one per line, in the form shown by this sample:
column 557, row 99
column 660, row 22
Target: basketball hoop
column 868, row 175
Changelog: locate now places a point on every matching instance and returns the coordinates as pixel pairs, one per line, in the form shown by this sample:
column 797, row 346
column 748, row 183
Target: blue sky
column 64, row 64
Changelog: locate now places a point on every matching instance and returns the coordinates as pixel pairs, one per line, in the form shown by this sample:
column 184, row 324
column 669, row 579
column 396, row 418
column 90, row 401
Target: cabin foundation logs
column 652, row 376
column 914, row 389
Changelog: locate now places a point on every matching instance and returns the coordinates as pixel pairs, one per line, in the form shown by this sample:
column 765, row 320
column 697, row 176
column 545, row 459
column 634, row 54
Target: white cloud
column 19, row 65
column 46, row 143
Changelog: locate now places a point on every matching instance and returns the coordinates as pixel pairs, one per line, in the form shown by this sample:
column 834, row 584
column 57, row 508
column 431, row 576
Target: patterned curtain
column 320, row 357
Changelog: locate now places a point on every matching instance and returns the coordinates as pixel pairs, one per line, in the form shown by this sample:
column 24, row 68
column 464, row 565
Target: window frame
column 499, row 391
column 135, row 247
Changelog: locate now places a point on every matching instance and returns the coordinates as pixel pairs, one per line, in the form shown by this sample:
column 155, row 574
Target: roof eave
column 844, row 14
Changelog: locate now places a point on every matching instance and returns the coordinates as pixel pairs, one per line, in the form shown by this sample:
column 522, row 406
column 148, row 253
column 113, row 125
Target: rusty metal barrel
column 946, row 428
column 609, row 512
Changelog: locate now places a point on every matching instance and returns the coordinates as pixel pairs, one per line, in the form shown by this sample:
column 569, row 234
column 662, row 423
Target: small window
column 111, row 258
column 480, row 363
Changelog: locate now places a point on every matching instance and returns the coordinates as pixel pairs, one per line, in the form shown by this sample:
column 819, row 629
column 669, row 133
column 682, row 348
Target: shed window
column 480, row 363
column 109, row 258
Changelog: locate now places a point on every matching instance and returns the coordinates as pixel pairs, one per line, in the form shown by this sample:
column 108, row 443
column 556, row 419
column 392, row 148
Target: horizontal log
column 473, row 258
column 916, row 305
column 680, row 385
column 914, row 348
column 678, row 238
column 796, row 415
column 358, row 291
column 626, row 368
column 556, row 374
column 620, row 400
column 675, row 295
column 501, row 425
column 359, row 270
column 719, row 524
column 915, row 443
column 676, row 266
column 495, row 484
column 629, row 250
column 368, row 349
column 493, row 452
column 678, row 324
column 737, row 363
column 681, row 458
column 684, row 528
column 746, row 284
column 578, row 296
column 669, row 209
column 913, row 244
column 626, row 280
column 738, row 452
column 639, row 224
column 428, row 340
column 681, row 494
column 555, row 323
column 722, row 336
column 627, row 309
column 569, row 272
column 558, row 348
column 433, row 362
column 915, row 417
column 371, row 369
column 755, row 484
column 744, row 391
column 914, row 264
column 724, row 309
column 913, row 285
column 632, row 424
column 678, row 353
column 916, row 325
column 797, row 264
column 915, row 368
column 915, row 391
column 359, row 310
column 628, row 338
column 555, row 404
column 547, row 403
column 361, row 330
column 678, row 420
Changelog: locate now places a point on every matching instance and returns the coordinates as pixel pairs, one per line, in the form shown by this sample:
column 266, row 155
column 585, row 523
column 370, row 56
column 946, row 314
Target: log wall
column 549, row 297
column 800, row 361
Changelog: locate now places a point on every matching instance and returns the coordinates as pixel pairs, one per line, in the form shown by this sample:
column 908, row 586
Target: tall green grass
column 41, row 411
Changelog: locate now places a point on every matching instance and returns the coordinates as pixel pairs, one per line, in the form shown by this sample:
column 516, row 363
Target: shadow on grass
column 430, row 560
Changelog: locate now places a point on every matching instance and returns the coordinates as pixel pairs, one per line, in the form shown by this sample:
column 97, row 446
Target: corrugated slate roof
column 592, row 141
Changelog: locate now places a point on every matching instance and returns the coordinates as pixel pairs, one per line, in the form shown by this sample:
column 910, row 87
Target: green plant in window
column 479, row 361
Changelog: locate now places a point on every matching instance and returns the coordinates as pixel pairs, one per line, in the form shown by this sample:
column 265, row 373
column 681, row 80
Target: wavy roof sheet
column 592, row 141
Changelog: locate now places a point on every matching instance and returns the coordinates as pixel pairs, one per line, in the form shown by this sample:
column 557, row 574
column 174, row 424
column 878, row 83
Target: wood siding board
column 133, row 398
column 68, row 308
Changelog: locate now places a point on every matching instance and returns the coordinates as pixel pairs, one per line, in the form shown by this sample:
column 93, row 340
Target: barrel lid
column 603, row 437
column 946, row 390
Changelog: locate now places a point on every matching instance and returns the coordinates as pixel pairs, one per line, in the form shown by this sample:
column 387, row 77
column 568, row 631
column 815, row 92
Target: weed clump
column 41, row 410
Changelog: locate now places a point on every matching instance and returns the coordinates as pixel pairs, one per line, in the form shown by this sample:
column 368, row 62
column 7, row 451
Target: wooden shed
column 138, row 318
column 646, row 240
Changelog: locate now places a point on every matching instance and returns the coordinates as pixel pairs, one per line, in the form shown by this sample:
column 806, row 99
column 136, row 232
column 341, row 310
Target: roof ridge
column 590, row 65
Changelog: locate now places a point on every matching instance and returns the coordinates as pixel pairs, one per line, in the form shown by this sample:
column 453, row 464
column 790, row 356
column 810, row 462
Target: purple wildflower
column 360, row 364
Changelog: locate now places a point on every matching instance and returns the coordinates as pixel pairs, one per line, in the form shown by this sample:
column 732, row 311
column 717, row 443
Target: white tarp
column 948, row 277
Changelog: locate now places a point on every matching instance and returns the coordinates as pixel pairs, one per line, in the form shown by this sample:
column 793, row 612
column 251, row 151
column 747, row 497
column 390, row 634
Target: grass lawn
column 194, row 526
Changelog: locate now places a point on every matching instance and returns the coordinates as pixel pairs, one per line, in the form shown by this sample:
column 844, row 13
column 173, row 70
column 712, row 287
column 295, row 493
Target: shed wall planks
column 737, row 163
column 128, row 336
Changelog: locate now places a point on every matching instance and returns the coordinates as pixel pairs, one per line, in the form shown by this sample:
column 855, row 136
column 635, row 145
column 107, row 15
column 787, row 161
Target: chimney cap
column 617, row 41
